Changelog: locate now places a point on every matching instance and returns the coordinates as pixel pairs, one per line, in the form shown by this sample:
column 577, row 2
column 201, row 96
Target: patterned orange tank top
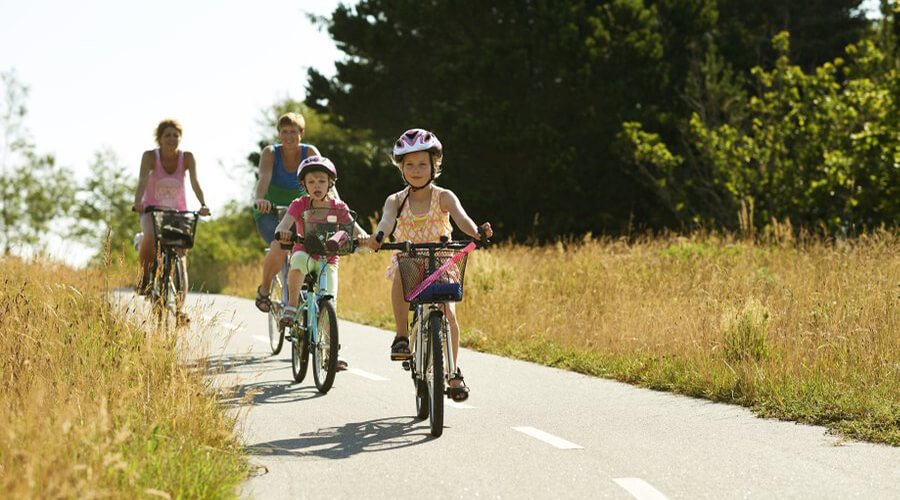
column 424, row 228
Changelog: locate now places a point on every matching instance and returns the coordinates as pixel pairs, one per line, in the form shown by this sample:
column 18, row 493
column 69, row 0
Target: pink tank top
column 163, row 189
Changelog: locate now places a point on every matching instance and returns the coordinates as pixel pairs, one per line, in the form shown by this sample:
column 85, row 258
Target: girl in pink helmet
column 317, row 175
column 421, row 213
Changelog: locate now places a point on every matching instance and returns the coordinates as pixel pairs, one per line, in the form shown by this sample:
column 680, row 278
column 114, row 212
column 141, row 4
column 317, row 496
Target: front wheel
column 325, row 350
column 276, row 331
column 434, row 374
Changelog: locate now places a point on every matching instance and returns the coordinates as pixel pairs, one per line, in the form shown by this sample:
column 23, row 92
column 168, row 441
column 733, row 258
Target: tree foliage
column 577, row 116
column 103, row 205
column 34, row 191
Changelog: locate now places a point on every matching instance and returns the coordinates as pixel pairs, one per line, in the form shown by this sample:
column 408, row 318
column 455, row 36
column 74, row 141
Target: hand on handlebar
column 485, row 230
column 204, row 210
column 138, row 207
column 263, row 205
column 283, row 236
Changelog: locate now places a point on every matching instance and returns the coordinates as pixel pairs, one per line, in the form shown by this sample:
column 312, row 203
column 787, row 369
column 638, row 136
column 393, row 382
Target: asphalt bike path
column 526, row 430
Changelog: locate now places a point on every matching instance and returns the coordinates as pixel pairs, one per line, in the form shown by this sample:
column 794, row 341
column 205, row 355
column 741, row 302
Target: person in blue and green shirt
column 278, row 185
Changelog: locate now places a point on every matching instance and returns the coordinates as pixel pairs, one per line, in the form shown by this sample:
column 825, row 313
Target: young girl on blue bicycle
column 422, row 213
column 317, row 175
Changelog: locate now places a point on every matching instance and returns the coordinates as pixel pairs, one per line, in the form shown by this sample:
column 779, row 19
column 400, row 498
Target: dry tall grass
column 806, row 330
column 94, row 407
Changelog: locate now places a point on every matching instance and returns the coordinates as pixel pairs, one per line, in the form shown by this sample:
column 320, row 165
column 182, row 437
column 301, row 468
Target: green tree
column 34, row 191
column 817, row 148
column 103, row 204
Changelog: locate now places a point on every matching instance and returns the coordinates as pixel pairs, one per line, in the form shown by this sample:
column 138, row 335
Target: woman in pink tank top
column 161, row 184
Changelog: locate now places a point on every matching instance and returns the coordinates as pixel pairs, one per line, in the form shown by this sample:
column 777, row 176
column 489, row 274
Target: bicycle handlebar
column 354, row 243
column 445, row 242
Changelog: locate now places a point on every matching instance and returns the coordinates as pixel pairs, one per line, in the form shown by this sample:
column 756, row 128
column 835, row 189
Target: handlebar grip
column 379, row 236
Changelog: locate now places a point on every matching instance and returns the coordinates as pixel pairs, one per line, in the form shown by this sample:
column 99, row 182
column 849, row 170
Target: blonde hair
column 163, row 125
column 291, row 118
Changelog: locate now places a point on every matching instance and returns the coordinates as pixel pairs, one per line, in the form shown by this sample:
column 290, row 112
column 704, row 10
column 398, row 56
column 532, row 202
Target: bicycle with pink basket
column 432, row 275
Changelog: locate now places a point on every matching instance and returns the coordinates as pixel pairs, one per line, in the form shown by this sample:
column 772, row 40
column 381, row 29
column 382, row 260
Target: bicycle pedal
column 406, row 365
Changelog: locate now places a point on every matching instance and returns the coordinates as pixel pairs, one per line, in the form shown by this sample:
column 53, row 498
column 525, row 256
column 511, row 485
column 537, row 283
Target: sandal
column 341, row 365
column 287, row 319
column 262, row 301
column 400, row 349
column 182, row 319
column 459, row 393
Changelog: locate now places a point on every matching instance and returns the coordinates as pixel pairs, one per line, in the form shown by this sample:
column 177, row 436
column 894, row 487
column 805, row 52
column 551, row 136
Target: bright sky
column 103, row 73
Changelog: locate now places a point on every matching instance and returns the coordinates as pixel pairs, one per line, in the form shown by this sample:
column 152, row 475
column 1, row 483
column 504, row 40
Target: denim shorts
column 265, row 226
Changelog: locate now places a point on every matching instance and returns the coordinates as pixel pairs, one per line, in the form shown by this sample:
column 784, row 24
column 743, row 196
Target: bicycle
column 174, row 230
column 432, row 276
column 314, row 330
column 278, row 295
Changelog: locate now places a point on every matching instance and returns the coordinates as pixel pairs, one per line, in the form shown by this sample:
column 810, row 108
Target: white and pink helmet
column 316, row 163
column 416, row 139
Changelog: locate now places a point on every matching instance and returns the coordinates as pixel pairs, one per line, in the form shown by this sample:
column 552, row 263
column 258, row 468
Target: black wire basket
column 329, row 231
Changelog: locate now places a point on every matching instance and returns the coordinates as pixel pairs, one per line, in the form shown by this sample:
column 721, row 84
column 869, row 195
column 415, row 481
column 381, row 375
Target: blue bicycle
column 278, row 293
column 314, row 331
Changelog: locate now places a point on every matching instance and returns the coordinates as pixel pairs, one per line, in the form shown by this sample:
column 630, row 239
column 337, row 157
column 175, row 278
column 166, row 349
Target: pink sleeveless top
column 163, row 189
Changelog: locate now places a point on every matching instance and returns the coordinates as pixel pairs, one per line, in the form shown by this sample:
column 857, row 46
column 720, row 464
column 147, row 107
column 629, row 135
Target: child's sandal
column 263, row 303
column 459, row 393
column 400, row 349
column 287, row 319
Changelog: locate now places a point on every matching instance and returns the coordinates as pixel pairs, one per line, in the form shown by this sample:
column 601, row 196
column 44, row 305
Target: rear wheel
column 325, row 350
column 299, row 351
column 276, row 331
column 434, row 374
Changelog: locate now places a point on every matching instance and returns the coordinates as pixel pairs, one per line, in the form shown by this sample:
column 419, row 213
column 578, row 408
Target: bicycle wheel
column 325, row 350
column 434, row 374
column 421, row 399
column 161, row 305
column 276, row 331
column 179, row 288
column 299, row 351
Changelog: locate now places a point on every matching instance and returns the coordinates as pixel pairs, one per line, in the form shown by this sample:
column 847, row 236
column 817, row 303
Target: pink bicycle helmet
column 416, row 139
column 316, row 163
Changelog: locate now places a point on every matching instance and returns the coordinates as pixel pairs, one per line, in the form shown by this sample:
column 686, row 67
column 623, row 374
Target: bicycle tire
column 435, row 352
column 299, row 351
column 162, row 304
column 276, row 331
column 325, row 352
column 179, row 280
column 421, row 399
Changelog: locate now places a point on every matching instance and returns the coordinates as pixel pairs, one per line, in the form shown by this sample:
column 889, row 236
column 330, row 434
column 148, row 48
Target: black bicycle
column 432, row 276
column 174, row 231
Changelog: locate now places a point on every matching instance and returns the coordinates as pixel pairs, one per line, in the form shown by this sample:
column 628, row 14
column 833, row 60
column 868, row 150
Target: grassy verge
column 798, row 330
column 94, row 407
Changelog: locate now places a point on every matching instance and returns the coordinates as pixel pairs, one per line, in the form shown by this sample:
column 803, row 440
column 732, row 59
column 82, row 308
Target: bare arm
column 146, row 168
column 450, row 203
column 388, row 218
column 191, row 165
column 266, row 161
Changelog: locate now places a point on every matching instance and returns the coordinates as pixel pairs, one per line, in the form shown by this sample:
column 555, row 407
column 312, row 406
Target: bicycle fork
column 419, row 331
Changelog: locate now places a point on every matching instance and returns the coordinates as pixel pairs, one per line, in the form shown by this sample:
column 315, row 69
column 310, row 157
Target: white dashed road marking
column 365, row 374
column 640, row 489
column 461, row 406
column 549, row 438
